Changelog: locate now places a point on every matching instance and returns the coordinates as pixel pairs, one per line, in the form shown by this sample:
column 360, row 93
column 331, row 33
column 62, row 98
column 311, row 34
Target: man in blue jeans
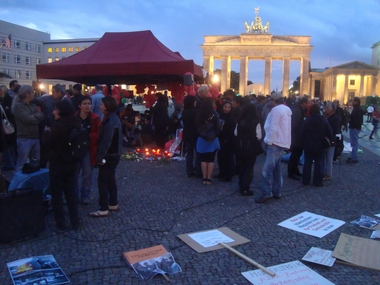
column 356, row 121
column 277, row 138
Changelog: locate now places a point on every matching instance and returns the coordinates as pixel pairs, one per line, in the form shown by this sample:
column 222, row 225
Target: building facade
column 31, row 47
column 345, row 81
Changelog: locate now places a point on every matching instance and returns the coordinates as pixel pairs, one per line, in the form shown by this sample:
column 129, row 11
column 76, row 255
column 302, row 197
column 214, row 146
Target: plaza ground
column 157, row 203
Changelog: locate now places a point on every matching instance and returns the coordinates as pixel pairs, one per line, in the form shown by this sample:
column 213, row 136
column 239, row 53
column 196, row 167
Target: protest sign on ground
column 291, row 273
column 312, row 224
column 358, row 251
column 319, row 256
column 148, row 262
column 208, row 240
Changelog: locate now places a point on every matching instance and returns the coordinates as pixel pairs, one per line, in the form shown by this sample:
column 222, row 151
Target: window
column 351, row 95
column 70, row 49
column 50, row 60
column 352, row 82
column 38, row 48
column 63, row 49
column 28, row 60
column 28, row 46
column 17, row 44
column 50, row 50
column 56, row 59
column 84, row 47
column 17, row 59
column 17, row 73
column 5, row 57
column 28, row 74
column 38, row 61
column 77, row 49
column 56, row 49
column 6, row 71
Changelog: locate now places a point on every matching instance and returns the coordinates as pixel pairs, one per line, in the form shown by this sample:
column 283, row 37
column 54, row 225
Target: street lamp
column 215, row 78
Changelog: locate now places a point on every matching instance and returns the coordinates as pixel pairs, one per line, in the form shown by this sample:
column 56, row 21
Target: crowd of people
column 233, row 129
column 237, row 129
column 70, row 136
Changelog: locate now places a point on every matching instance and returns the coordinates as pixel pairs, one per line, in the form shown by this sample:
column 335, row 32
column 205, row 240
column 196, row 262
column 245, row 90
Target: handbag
column 8, row 128
column 31, row 166
column 326, row 142
column 207, row 130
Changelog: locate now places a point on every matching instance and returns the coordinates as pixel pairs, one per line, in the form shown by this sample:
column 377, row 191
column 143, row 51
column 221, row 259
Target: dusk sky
column 341, row 30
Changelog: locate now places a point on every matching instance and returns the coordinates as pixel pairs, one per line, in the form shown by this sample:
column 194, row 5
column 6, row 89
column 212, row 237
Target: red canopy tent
column 122, row 58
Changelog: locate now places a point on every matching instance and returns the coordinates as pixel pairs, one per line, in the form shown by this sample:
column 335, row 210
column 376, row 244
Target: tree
column 234, row 79
column 295, row 87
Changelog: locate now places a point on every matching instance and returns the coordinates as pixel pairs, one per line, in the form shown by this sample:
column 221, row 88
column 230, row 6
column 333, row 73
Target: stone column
column 243, row 75
column 373, row 85
column 304, row 75
column 285, row 76
column 225, row 74
column 312, row 91
column 361, row 86
column 267, row 75
column 345, row 89
column 206, row 63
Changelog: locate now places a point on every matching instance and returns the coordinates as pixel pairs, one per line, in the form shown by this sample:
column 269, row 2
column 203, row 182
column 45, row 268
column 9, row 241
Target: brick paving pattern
column 157, row 203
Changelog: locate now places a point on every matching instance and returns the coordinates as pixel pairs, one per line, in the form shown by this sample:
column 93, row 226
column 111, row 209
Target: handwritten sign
column 319, row 256
column 312, row 224
column 358, row 251
column 210, row 238
column 294, row 272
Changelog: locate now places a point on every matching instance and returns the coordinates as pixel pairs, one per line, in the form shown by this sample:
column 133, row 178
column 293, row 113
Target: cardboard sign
column 358, row 251
column 294, row 272
column 312, row 224
column 144, row 254
column 319, row 256
column 209, row 240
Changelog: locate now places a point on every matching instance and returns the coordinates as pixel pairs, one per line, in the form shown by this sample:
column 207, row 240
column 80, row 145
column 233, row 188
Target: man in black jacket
column 356, row 121
column 298, row 117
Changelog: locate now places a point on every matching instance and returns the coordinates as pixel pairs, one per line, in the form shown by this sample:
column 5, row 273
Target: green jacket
column 27, row 118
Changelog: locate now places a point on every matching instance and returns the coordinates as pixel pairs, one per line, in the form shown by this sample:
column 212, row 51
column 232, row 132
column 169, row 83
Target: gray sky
column 341, row 30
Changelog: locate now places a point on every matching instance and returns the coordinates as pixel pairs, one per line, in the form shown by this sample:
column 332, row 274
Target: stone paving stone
column 157, row 203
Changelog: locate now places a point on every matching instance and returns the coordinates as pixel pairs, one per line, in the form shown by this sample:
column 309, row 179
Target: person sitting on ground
column 131, row 133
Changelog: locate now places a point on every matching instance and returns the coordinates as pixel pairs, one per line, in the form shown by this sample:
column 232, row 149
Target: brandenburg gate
column 258, row 44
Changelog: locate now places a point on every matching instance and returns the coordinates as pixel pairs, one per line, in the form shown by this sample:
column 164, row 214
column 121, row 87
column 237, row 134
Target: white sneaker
column 99, row 213
column 113, row 208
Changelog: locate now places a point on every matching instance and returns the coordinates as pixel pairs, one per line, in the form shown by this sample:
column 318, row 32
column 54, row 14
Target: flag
column 8, row 42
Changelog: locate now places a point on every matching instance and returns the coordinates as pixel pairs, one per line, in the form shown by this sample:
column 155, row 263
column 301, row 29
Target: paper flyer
column 320, row 256
column 37, row 270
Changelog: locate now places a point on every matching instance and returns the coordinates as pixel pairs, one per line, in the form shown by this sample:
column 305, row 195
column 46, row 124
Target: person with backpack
column 90, row 124
column 108, row 157
column 63, row 163
column 247, row 146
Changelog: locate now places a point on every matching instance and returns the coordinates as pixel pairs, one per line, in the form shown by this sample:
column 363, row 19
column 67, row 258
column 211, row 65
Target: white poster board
column 320, row 256
column 210, row 238
column 312, row 224
column 294, row 272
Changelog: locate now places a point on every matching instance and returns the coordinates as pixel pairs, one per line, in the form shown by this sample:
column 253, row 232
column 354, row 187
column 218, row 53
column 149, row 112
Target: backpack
column 246, row 142
column 79, row 143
